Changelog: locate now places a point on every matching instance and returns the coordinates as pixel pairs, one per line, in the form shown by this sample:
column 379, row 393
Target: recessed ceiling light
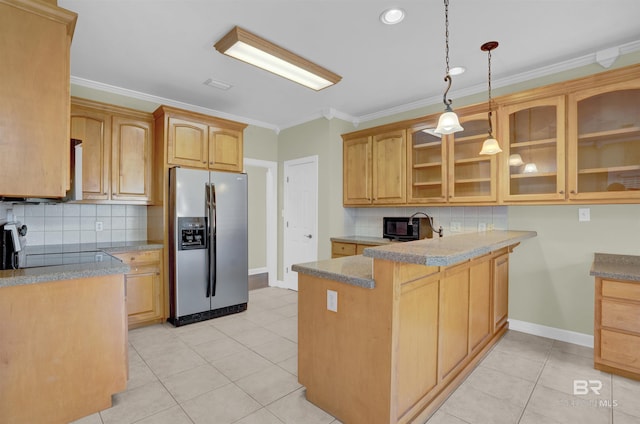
column 457, row 70
column 392, row 16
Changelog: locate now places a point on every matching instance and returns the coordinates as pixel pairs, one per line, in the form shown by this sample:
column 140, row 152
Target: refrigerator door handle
column 213, row 240
column 207, row 206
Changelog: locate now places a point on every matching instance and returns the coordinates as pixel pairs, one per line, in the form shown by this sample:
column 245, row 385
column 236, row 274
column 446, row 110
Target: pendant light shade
column 448, row 122
column 515, row 160
column 490, row 145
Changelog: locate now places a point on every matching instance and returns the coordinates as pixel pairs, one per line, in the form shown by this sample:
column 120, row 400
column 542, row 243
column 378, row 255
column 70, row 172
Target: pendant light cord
column 490, row 101
column 447, row 77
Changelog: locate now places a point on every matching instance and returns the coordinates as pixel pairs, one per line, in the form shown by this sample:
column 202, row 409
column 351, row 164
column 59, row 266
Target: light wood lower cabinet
column 63, row 346
column 617, row 327
column 340, row 249
column 144, row 287
column 392, row 354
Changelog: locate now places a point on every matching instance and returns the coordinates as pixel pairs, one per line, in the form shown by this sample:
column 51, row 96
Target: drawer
column 360, row 248
column 621, row 315
column 139, row 256
column 630, row 291
column 345, row 249
column 620, row 348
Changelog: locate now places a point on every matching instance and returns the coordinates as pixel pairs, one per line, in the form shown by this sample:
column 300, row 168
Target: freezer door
column 231, row 238
column 190, row 272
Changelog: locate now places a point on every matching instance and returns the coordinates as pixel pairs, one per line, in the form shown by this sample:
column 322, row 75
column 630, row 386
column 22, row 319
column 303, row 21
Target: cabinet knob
column 561, row 192
column 573, row 192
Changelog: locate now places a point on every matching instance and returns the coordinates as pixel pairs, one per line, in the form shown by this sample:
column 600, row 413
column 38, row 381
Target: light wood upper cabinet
column 356, row 171
column 426, row 165
column 535, row 132
column 472, row 177
column 374, row 169
column 187, row 143
column 131, row 159
column 389, row 168
column 93, row 127
column 604, row 142
column 200, row 141
column 225, row 149
column 117, row 156
column 35, row 40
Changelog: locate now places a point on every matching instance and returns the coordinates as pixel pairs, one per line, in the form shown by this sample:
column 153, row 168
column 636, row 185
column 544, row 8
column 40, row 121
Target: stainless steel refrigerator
column 207, row 244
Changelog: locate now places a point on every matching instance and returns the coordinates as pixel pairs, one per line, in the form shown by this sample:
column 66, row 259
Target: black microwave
column 406, row 229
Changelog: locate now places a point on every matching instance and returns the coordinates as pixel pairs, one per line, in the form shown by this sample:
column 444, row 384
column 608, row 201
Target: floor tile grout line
column 546, row 359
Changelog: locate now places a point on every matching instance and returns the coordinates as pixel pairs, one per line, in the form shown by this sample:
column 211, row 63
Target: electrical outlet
column 456, row 227
column 99, row 226
column 332, row 300
column 584, row 214
column 490, row 227
column 482, row 226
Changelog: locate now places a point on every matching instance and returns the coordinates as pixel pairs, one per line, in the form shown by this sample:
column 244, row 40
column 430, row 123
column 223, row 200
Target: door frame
column 271, row 188
column 285, row 251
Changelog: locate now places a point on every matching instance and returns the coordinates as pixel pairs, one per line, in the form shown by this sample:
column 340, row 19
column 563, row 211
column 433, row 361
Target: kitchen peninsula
column 386, row 336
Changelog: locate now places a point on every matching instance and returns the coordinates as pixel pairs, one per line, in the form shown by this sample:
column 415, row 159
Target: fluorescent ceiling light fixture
column 392, row 16
column 247, row 47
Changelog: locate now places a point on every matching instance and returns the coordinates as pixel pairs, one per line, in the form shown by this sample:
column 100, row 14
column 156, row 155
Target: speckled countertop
column 619, row 267
column 448, row 250
column 445, row 251
column 356, row 270
column 103, row 265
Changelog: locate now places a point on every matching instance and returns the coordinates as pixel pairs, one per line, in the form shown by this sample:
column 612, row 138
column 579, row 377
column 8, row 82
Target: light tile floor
column 242, row 369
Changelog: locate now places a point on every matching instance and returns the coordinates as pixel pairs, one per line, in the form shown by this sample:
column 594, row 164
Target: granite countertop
column 101, row 263
column 619, row 267
column 373, row 241
column 445, row 251
column 355, row 270
column 448, row 250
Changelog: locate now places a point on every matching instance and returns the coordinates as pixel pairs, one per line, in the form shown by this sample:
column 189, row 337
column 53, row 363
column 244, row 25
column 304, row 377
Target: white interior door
column 300, row 215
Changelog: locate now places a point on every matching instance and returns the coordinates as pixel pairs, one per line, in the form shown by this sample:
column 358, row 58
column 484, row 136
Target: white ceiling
column 162, row 50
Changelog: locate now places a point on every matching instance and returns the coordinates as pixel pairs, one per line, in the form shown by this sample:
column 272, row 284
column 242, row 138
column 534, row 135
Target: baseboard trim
column 551, row 332
column 254, row 271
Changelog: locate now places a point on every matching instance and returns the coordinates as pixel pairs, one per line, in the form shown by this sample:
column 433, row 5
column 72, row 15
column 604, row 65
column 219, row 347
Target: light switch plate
column 332, row 300
column 584, row 214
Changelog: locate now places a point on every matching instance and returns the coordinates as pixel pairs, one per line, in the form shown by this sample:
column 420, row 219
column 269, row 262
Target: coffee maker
column 12, row 241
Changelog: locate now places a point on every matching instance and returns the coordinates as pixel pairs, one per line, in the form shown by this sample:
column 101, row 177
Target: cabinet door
column 604, row 142
column 389, row 168
column 93, row 127
column 480, row 326
column 533, row 131
column 187, row 143
column 454, row 321
column 225, row 150
column 417, row 342
column 143, row 296
column 131, row 157
column 356, row 171
column 472, row 177
column 500, row 291
column 426, row 166
column 34, row 99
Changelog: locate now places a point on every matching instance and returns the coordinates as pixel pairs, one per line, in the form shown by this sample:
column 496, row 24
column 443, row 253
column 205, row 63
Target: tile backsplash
column 368, row 221
column 67, row 223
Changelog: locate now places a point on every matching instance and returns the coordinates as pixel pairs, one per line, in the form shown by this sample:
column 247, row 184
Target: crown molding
column 169, row 102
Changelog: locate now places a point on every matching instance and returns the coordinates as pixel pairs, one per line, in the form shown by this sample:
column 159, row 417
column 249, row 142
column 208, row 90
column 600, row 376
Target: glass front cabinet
column 427, row 170
column 604, row 139
column 533, row 144
column 472, row 177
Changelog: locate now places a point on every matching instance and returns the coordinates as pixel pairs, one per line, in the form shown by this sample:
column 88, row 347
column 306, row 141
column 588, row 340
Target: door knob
column 308, row 236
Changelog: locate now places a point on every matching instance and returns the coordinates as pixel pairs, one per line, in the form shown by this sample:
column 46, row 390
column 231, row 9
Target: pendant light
column 490, row 145
column 448, row 122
